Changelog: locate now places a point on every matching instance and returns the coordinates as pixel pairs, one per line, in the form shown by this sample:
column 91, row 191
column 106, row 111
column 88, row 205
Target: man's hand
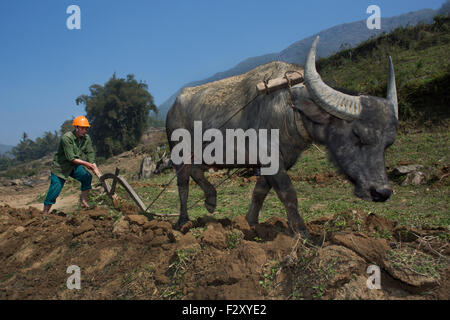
column 95, row 169
column 91, row 166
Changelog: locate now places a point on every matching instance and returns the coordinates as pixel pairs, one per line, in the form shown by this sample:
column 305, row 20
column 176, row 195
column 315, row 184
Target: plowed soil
column 138, row 258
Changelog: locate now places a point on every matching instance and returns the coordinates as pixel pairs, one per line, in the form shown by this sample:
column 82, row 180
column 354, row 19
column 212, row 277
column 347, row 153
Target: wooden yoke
column 291, row 78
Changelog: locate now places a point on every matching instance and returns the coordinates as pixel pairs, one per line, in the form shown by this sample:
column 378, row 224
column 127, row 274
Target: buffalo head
column 359, row 129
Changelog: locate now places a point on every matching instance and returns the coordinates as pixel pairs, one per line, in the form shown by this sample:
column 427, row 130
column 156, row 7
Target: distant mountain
column 332, row 40
column 5, row 148
column 445, row 9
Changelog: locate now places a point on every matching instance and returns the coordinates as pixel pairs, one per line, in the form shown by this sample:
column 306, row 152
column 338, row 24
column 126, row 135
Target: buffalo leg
column 198, row 175
column 183, row 173
column 288, row 196
column 260, row 192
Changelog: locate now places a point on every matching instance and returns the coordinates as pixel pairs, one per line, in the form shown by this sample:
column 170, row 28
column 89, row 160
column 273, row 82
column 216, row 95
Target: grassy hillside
column 421, row 56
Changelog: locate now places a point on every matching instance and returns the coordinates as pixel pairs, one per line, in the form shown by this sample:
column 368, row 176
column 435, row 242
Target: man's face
column 81, row 131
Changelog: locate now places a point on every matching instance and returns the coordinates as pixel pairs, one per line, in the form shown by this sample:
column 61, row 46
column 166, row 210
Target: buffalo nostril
column 386, row 193
column 380, row 194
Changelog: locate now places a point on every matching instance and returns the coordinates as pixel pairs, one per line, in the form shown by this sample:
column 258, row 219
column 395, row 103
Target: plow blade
column 110, row 191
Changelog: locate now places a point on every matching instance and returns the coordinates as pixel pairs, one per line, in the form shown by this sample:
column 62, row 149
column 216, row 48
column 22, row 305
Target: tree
column 5, row 161
column 118, row 113
column 24, row 149
column 66, row 126
column 154, row 122
column 28, row 149
column 45, row 145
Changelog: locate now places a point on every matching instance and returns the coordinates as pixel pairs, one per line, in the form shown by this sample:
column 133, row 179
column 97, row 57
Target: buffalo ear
column 312, row 111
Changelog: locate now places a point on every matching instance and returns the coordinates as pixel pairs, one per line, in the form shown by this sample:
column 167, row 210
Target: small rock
column 414, row 178
column 147, row 168
column 28, row 183
column 402, row 170
column 19, row 229
column 15, row 182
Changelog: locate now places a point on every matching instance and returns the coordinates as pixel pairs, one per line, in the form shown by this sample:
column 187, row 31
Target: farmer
column 74, row 153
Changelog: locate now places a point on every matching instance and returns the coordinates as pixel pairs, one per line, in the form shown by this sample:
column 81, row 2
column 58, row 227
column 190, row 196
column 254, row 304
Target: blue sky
column 44, row 66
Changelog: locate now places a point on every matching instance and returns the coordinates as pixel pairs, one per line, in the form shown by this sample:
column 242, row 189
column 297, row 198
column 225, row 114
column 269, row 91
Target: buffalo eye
column 359, row 141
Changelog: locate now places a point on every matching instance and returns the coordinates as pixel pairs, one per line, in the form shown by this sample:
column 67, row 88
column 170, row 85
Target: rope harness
column 299, row 123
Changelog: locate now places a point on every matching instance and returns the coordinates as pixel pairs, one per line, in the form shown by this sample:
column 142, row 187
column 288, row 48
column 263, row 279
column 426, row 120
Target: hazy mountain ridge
column 332, row 40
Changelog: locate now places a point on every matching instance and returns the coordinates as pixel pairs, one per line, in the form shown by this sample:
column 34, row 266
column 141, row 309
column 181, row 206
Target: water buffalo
column 355, row 129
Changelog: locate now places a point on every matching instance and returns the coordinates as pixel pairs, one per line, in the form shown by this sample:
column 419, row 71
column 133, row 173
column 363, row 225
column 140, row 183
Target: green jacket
column 71, row 148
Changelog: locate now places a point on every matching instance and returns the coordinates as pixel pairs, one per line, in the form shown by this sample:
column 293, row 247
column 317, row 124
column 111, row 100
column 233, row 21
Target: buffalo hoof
column 181, row 223
column 210, row 204
column 251, row 222
column 305, row 235
column 302, row 232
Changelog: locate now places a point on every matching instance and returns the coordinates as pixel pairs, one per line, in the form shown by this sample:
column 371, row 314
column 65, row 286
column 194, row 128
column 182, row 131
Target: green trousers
column 57, row 183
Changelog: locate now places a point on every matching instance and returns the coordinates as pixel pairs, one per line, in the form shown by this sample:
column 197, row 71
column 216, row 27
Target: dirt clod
column 214, row 236
column 121, row 227
column 137, row 219
column 372, row 250
column 84, row 227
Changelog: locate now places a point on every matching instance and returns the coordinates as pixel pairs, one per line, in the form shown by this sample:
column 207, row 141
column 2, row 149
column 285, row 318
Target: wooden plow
column 111, row 191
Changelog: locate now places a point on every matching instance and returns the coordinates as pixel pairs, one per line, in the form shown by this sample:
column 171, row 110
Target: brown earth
column 138, row 258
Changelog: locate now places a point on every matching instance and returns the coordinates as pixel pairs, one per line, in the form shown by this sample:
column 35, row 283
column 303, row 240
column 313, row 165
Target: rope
column 164, row 189
column 291, row 102
column 234, row 114
column 218, row 185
